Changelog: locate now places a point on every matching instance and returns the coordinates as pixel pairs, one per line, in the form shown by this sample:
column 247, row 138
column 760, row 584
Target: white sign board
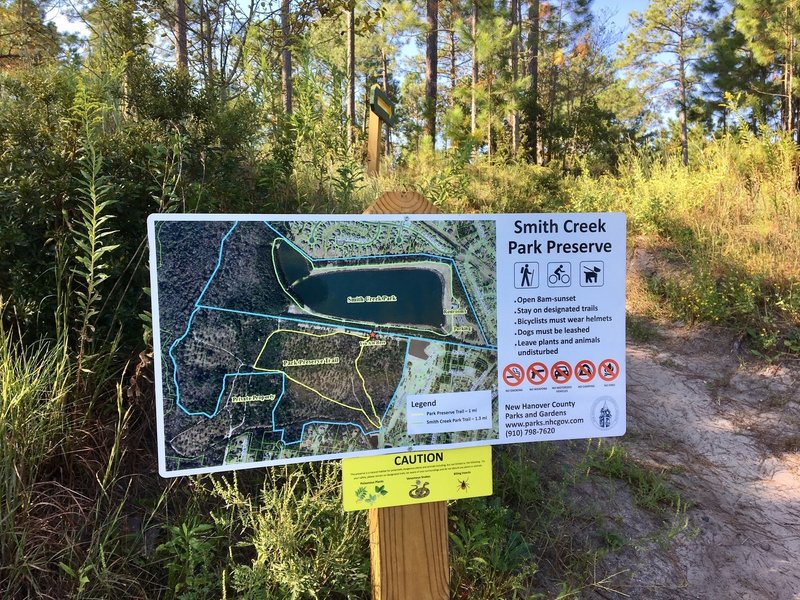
column 285, row 339
column 561, row 326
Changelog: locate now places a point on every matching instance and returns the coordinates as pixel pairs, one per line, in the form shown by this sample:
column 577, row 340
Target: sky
column 618, row 10
column 63, row 23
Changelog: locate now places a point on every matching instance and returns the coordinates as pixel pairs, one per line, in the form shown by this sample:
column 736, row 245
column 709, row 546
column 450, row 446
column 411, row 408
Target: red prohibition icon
column 537, row 373
column 608, row 369
column 584, row 371
column 513, row 374
column 561, row 372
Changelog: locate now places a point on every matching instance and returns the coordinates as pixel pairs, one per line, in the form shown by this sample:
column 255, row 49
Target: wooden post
column 408, row 544
column 373, row 144
column 381, row 110
column 409, row 554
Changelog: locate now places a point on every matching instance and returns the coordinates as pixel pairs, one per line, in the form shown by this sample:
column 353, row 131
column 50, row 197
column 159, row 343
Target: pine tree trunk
column 552, row 92
column 514, row 68
column 533, row 72
column 181, row 37
column 207, row 46
column 489, row 140
column 286, row 57
column 351, row 75
column 474, row 102
column 387, row 138
column 684, row 102
column 431, row 68
column 790, row 109
column 453, row 73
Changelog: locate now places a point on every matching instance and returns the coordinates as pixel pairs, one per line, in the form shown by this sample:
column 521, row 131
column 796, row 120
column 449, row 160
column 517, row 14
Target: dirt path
column 728, row 433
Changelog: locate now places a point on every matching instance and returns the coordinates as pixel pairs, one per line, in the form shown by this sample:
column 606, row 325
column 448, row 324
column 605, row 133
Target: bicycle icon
column 559, row 274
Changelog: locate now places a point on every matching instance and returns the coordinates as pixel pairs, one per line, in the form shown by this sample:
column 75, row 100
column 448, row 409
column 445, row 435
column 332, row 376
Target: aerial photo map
column 280, row 340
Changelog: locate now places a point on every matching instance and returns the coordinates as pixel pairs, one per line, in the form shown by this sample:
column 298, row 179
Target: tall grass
column 34, row 385
column 726, row 230
column 64, row 416
column 301, row 542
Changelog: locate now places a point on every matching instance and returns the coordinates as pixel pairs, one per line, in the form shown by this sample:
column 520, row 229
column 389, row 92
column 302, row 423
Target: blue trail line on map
column 222, row 392
column 408, row 338
column 384, row 256
column 303, row 430
column 219, row 263
column 191, row 318
column 345, row 327
column 399, row 383
column 275, row 428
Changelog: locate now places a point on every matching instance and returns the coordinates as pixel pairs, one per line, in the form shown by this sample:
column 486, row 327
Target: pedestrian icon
column 526, row 275
column 559, row 274
column 592, row 273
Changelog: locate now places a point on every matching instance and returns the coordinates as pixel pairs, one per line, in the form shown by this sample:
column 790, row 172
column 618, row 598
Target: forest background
column 689, row 122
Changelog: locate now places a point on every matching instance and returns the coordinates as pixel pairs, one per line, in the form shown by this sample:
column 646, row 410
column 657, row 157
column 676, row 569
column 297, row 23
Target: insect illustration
column 463, row 485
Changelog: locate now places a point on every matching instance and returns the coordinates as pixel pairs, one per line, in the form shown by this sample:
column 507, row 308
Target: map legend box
column 454, row 411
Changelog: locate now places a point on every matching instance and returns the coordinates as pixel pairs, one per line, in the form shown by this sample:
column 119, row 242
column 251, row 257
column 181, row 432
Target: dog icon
column 590, row 274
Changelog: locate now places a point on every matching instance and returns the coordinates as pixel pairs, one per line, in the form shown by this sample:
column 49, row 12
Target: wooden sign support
column 373, row 144
column 381, row 110
column 408, row 544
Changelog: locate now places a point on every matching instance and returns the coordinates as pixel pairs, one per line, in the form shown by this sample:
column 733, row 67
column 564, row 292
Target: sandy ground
column 726, row 430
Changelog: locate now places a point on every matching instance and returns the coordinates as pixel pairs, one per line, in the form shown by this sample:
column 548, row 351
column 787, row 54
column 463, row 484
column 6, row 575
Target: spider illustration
column 463, row 485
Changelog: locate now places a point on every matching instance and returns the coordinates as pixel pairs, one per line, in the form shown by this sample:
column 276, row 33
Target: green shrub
column 301, row 542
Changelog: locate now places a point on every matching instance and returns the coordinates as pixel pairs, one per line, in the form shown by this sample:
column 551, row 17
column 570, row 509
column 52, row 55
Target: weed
column 301, row 542
column 649, row 490
column 490, row 559
column 189, row 549
column 611, row 539
column 347, row 181
column 639, row 329
column 775, row 400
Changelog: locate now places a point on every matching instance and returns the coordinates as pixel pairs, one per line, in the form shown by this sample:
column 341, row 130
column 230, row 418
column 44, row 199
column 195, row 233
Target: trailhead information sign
column 285, row 339
column 561, row 326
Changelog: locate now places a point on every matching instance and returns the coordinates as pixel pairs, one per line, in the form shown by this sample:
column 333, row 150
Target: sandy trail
column 728, row 432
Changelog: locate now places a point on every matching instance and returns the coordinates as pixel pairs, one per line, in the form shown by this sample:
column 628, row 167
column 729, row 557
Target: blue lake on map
column 293, row 265
column 418, row 290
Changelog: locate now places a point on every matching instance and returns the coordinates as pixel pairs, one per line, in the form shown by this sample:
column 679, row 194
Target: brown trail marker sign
column 408, row 544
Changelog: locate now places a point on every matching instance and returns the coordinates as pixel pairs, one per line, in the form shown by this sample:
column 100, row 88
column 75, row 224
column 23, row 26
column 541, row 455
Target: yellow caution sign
column 413, row 477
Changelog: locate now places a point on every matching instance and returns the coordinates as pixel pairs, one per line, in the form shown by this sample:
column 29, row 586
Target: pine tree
column 733, row 78
column 662, row 49
column 431, row 67
column 772, row 29
column 25, row 37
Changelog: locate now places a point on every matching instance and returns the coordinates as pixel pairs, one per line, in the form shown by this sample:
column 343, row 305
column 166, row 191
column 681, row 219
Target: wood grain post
column 373, row 144
column 408, row 544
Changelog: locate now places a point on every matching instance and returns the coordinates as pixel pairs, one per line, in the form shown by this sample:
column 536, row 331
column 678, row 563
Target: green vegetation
column 724, row 235
column 96, row 133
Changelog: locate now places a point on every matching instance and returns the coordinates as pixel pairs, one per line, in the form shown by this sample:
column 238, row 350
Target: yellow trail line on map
column 377, row 423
